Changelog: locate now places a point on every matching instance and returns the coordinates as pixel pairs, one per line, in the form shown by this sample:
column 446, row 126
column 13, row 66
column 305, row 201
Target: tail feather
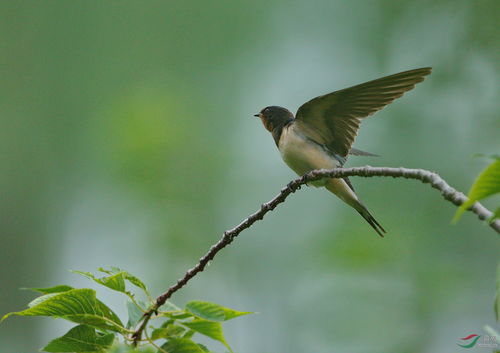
column 372, row 221
column 344, row 190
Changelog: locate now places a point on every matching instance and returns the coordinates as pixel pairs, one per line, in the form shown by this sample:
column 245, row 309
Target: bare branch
column 425, row 176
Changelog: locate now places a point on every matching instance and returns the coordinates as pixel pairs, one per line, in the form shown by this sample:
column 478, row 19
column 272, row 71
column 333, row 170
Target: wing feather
column 336, row 116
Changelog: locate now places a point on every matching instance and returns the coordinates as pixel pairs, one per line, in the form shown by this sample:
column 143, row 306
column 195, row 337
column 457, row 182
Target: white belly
column 303, row 155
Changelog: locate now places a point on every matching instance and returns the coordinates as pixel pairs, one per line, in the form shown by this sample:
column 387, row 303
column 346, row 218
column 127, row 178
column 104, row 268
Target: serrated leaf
column 129, row 277
column 136, row 282
column 134, row 314
column 97, row 320
column 212, row 311
column 208, row 328
column 181, row 345
column 55, row 289
column 486, row 184
column 81, row 338
column 106, row 312
column 115, row 281
column 77, row 305
column 169, row 331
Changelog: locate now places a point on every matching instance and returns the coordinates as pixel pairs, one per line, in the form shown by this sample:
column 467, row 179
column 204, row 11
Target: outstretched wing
column 335, row 117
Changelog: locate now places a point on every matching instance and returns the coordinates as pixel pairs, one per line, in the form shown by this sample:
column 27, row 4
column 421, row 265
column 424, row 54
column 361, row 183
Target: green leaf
column 169, row 331
column 125, row 348
column 189, row 334
column 181, row 345
column 205, row 349
column 208, row 328
column 115, row 282
column 108, row 313
column 496, row 214
column 159, row 333
column 176, row 315
column 55, row 289
column 134, row 314
column 486, row 184
column 169, row 306
column 127, row 276
column 212, row 311
column 40, row 300
column 172, row 311
column 81, row 338
column 77, row 305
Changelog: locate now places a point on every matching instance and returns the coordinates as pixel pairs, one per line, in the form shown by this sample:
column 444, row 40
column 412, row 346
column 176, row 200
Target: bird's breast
column 302, row 154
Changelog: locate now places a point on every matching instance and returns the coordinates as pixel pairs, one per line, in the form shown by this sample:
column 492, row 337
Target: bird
column 321, row 134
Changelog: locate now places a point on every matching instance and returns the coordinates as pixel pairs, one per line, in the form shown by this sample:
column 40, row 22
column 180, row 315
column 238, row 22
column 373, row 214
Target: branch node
column 292, row 187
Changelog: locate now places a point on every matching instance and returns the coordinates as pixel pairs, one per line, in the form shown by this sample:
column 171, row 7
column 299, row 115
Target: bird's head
column 274, row 116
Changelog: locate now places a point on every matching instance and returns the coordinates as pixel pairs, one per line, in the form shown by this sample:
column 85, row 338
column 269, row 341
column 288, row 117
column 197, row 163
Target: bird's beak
column 257, row 115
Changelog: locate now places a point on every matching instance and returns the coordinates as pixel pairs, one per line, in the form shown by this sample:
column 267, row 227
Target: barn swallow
column 321, row 134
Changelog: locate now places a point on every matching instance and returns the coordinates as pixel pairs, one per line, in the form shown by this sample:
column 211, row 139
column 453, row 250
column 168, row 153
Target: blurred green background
column 127, row 139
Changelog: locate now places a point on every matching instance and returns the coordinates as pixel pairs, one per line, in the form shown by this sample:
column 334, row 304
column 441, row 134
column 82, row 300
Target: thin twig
column 425, row 176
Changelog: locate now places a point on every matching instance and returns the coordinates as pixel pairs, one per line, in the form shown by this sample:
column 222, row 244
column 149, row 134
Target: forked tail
column 344, row 190
column 372, row 221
